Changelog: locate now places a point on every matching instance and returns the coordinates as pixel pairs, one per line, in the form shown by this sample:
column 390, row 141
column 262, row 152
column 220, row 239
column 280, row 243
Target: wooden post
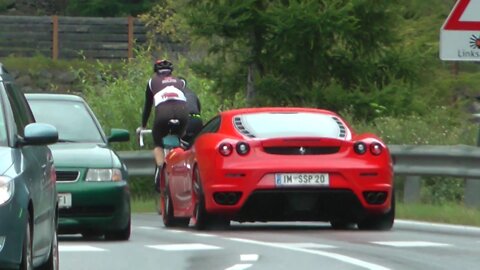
column 455, row 68
column 411, row 190
column 130, row 37
column 55, row 37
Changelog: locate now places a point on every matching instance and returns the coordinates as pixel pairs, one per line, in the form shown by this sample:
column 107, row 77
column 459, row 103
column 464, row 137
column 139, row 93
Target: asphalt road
column 292, row 246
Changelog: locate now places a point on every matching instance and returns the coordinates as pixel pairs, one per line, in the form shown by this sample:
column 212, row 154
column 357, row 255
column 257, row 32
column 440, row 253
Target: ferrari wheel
column 169, row 220
column 202, row 219
column 381, row 222
column 200, row 216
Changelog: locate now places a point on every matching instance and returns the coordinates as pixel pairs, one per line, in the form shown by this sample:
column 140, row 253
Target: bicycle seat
column 171, row 141
column 173, row 122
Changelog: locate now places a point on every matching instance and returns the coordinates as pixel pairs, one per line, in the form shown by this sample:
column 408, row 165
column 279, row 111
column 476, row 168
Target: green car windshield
column 72, row 119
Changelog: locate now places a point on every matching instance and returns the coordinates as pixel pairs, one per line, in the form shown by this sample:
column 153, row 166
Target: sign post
column 460, row 34
column 460, row 41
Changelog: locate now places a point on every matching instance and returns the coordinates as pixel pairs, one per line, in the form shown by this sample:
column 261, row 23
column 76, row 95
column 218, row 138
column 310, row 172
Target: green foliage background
column 103, row 8
column 374, row 62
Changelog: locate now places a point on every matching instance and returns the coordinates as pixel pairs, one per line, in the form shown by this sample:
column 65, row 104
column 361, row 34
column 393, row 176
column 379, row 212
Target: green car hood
column 83, row 155
column 6, row 159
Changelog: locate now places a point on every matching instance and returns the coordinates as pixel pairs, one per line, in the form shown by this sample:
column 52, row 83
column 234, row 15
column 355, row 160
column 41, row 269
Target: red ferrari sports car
column 279, row 164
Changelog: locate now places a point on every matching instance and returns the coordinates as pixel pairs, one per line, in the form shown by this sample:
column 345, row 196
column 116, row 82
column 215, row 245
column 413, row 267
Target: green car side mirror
column 119, row 135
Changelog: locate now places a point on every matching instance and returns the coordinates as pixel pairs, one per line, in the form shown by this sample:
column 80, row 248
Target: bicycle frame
column 170, row 141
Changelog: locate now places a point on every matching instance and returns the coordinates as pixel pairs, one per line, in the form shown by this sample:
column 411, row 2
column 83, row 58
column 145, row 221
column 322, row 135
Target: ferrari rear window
column 301, row 124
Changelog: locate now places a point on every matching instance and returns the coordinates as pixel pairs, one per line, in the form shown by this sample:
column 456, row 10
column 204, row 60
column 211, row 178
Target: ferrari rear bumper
column 252, row 195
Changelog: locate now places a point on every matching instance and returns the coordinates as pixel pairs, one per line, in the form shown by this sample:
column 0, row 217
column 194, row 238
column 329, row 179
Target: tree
column 292, row 52
column 104, row 8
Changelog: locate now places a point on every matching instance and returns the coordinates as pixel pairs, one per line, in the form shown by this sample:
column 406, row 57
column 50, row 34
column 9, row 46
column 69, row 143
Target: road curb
column 435, row 227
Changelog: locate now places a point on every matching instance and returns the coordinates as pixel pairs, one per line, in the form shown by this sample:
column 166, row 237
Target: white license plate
column 301, row 179
column 64, row 200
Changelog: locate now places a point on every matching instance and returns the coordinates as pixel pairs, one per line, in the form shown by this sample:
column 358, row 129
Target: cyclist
column 195, row 122
column 165, row 93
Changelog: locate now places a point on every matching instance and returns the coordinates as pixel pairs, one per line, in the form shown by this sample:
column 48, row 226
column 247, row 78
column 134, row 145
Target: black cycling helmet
column 162, row 64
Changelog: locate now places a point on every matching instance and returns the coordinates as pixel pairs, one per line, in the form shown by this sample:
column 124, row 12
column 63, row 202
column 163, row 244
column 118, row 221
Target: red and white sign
column 460, row 34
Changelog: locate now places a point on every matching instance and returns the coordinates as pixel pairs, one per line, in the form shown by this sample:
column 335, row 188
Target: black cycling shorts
column 195, row 124
column 165, row 111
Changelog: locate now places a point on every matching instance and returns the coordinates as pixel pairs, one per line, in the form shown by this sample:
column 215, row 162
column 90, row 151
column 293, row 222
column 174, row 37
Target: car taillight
column 242, row 148
column 225, row 149
column 53, row 174
column 360, row 148
column 376, row 149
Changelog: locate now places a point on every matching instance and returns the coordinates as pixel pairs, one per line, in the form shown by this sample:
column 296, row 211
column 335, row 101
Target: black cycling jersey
column 193, row 103
column 156, row 84
column 165, row 93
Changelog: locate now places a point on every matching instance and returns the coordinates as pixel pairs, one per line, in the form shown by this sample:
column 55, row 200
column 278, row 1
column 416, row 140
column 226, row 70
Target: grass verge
column 447, row 213
column 144, row 205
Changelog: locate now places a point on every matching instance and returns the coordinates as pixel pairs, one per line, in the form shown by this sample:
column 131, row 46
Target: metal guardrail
column 436, row 160
column 411, row 161
column 139, row 163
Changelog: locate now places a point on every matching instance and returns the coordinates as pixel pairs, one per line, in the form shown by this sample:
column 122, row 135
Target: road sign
column 460, row 34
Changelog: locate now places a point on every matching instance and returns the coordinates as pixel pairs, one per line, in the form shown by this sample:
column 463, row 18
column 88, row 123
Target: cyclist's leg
column 158, row 132
column 181, row 113
column 194, row 125
column 158, row 152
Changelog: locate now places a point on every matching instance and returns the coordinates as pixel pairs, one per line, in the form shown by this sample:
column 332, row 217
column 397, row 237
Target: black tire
column 341, row 225
column 121, row 235
column 27, row 259
column 201, row 217
column 91, row 235
column 53, row 262
column 204, row 220
column 169, row 220
column 382, row 222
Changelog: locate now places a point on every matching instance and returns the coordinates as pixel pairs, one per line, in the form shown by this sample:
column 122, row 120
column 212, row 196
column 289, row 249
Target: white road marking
column 411, row 244
column 183, row 247
column 307, row 245
column 146, row 228
column 204, row 235
column 249, row 257
column 331, row 255
column 239, row 267
column 175, row 231
column 75, row 248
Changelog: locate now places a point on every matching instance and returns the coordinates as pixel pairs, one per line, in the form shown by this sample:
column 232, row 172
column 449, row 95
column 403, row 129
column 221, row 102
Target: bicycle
column 170, row 141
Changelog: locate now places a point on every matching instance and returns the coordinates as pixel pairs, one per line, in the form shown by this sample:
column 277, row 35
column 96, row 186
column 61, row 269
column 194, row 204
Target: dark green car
column 93, row 192
column 28, row 197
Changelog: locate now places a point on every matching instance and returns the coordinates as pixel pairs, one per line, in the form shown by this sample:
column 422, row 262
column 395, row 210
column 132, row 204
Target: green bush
column 101, row 8
column 6, row 4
